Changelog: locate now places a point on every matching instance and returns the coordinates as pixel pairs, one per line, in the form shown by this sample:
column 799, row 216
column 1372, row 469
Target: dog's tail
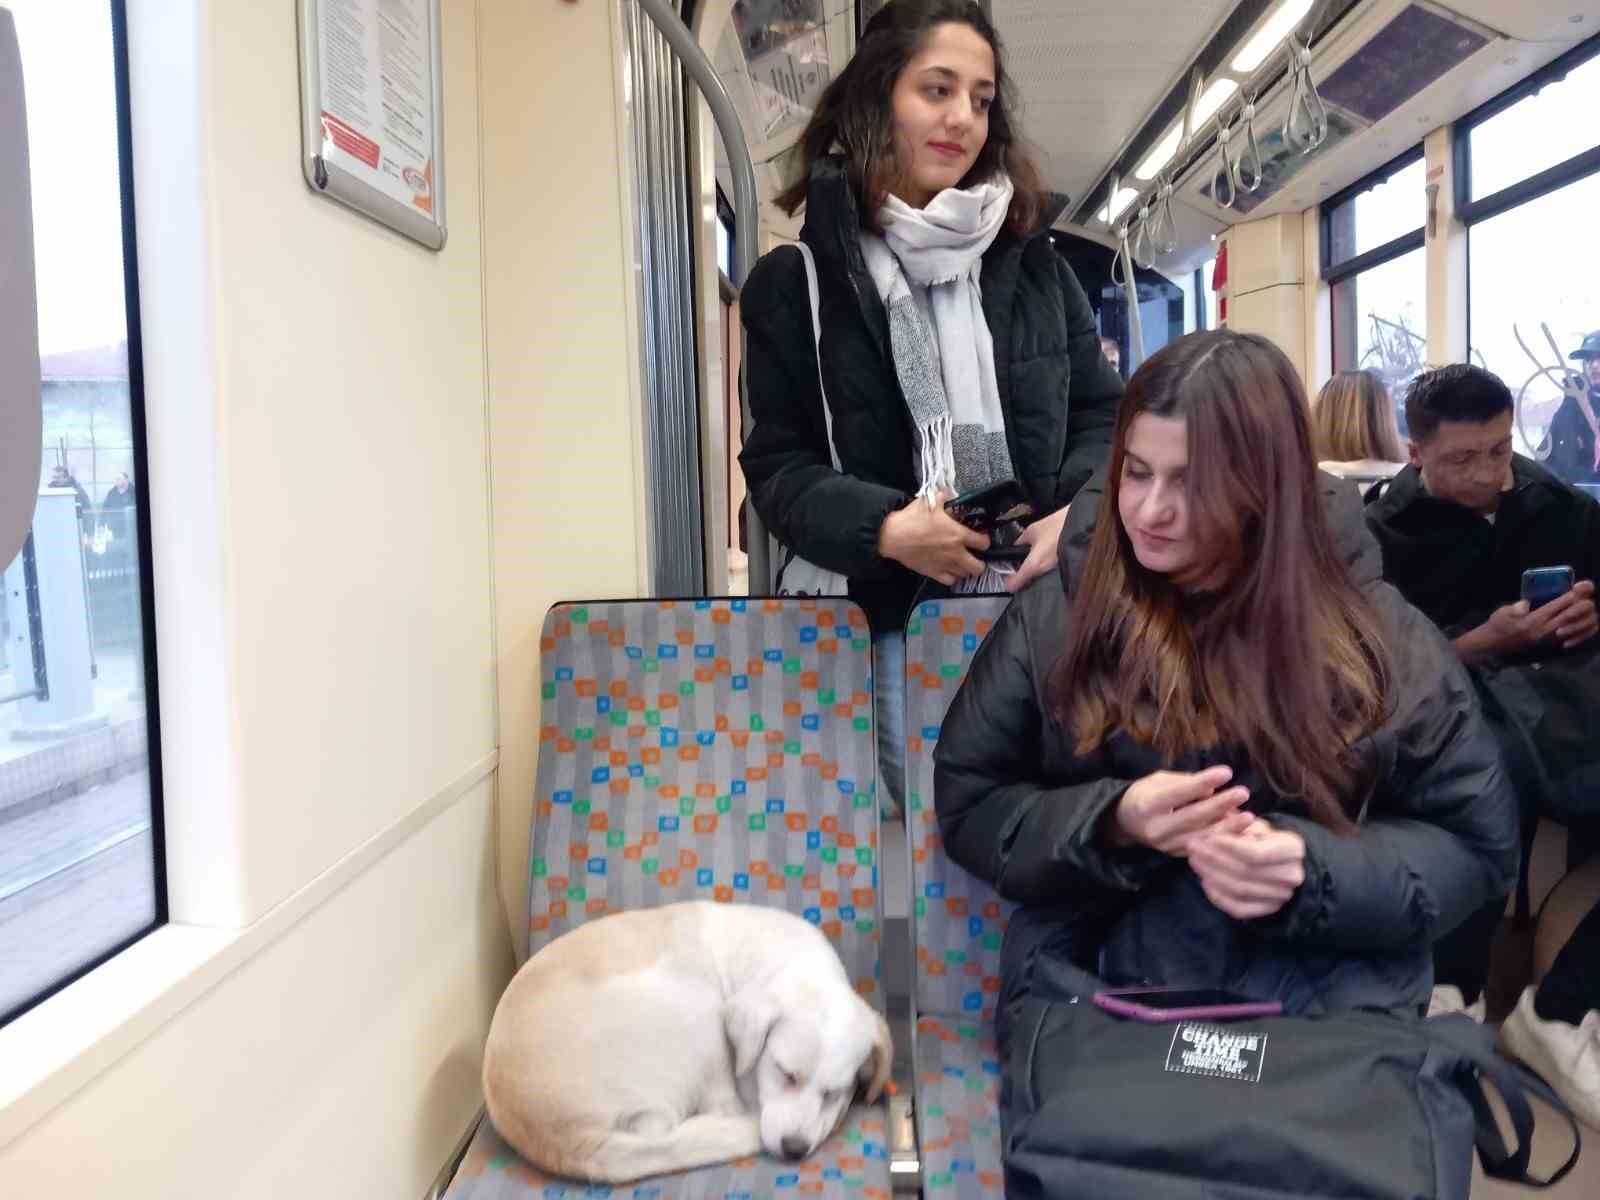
column 612, row 1155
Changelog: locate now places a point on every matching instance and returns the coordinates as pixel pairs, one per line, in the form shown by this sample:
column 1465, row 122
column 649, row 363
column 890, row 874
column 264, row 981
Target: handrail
column 21, row 418
column 745, row 218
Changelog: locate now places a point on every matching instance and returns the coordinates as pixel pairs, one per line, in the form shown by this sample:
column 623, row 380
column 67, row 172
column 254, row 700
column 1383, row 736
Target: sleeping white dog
column 663, row 1039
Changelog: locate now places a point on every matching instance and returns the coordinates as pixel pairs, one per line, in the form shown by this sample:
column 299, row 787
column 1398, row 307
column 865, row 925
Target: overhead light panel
column 1161, row 155
column 1284, row 18
column 1118, row 204
column 1213, row 98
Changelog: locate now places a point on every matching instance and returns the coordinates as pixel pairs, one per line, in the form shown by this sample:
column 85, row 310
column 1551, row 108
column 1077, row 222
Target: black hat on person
column 1590, row 347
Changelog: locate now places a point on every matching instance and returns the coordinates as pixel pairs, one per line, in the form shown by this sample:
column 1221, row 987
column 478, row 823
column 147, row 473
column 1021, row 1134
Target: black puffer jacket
column 1057, row 392
column 1019, row 807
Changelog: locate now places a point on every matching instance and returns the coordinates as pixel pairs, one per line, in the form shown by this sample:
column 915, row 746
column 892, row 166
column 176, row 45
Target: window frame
column 141, row 462
column 1586, row 162
column 1395, row 248
column 1334, row 274
column 1536, row 186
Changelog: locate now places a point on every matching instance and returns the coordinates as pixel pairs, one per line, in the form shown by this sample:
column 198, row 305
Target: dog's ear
column 748, row 1019
column 873, row 1076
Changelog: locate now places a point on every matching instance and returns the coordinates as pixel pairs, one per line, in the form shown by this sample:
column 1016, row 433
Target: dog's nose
column 793, row 1147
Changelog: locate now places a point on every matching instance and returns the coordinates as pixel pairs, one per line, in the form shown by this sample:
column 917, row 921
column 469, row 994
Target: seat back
column 957, row 920
column 708, row 749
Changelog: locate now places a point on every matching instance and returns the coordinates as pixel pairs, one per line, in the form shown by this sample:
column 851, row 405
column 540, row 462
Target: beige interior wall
column 341, row 1062
column 1267, row 283
column 1317, row 299
column 340, row 466
column 563, row 365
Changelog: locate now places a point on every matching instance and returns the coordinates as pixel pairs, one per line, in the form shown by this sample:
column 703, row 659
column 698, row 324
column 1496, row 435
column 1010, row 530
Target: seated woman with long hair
column 1217, row 750
column 1354, row 430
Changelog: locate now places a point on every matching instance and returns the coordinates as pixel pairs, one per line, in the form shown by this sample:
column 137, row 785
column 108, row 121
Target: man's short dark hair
column 1458, row 392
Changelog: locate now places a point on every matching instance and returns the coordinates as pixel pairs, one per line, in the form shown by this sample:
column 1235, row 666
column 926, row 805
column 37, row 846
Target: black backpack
column 1364, row 1103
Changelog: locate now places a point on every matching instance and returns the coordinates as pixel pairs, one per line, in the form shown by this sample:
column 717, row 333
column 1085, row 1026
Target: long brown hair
column 856, row 115
column 1285, row 656
column 1353, row 419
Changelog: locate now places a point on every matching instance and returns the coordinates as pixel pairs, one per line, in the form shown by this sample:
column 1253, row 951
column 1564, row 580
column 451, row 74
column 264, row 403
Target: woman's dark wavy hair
column 855, row 115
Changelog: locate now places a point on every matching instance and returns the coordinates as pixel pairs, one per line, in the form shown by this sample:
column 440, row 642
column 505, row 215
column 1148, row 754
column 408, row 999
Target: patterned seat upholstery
column 716, row 750
column 957, row 922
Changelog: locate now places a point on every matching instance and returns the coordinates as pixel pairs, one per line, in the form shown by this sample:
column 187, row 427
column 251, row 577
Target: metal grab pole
column 745, row 216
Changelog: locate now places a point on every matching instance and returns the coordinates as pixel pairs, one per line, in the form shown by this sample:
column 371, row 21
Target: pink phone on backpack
column 1160, row 1005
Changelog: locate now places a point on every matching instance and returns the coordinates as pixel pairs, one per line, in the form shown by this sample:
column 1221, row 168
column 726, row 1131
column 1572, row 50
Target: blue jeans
column 889, row 712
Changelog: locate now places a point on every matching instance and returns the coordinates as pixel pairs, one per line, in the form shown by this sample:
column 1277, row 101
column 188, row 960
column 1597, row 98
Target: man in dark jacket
column 1458, row 528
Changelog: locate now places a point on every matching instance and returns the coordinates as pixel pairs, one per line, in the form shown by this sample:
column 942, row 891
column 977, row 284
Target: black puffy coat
column 1019, row 807
column 1057, row 392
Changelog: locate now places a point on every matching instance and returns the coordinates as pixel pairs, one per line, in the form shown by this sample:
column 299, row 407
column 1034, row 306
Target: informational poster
column 371, row 103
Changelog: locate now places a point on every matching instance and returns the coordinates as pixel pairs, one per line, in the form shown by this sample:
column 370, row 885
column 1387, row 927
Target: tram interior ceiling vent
column 1419, row 46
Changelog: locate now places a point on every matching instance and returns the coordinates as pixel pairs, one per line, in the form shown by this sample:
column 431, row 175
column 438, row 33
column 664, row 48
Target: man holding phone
column 1502, row 555
column 1468, row 518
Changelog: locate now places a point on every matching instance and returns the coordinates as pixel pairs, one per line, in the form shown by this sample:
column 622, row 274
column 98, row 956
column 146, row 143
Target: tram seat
column 957, row 925
column 718, row 750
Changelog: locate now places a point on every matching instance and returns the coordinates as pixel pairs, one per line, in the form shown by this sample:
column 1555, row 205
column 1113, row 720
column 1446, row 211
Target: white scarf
column 926, row 269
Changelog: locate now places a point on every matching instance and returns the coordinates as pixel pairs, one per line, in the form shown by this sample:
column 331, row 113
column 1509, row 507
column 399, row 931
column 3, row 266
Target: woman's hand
column 1250, row 872
column 1041, row 538
column 1167, row 810
column 931, row 542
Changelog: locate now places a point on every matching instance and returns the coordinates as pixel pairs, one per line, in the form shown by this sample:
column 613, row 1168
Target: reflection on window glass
column 1380, row 324
column 724, row 248
column 785, row 45
column 1378, row 215
column 77, row 852
column 1527, row 280
column 1207, row 274
column 1537, row 132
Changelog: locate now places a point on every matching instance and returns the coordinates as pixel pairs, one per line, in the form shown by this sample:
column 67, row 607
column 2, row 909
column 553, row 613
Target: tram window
column 1532, row 269
column 1373, row 258
column 1386, row 210
column 1537, row 131
column 1163, row 315
column 1529, row 163
column 1379, row 324
column 81, row 873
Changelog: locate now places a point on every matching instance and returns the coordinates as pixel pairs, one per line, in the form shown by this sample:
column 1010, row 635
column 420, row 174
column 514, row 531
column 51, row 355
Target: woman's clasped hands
column 1247, row 867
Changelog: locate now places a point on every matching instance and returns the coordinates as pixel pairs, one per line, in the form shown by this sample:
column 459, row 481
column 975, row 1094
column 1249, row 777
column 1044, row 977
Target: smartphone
column 1540, row 585
column 985, row 509
column 1014, row 553
column 1159, row 1005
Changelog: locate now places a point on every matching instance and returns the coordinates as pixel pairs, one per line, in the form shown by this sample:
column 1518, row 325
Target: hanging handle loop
column 1305, row 125
column 1247, row 170
column 1165, row 237
column 1223, row 191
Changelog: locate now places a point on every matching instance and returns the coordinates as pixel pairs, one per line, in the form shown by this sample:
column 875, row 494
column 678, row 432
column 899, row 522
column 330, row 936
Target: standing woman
column 957, row 349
